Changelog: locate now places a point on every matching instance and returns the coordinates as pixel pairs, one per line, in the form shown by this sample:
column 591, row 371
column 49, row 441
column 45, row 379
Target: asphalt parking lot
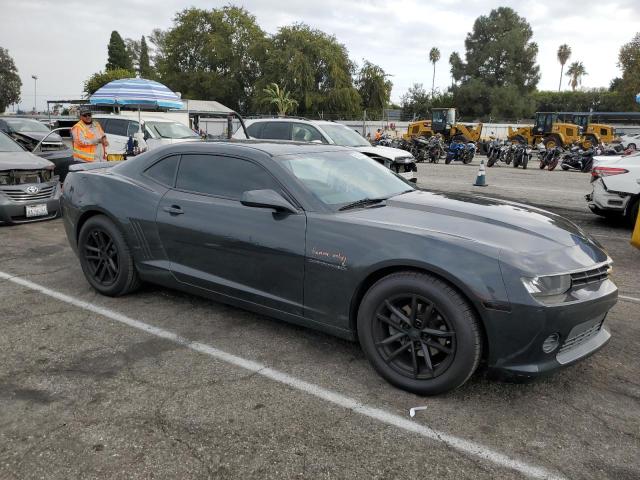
column 161, row 385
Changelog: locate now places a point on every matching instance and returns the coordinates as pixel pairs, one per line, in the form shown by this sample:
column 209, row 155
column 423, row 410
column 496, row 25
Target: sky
column 63, row 42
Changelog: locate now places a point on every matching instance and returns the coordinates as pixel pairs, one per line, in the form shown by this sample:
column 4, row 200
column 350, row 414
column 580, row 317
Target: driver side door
column 215, row 242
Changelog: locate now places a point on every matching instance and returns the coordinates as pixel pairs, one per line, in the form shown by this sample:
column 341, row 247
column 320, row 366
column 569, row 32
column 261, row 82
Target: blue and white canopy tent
column 136, row 92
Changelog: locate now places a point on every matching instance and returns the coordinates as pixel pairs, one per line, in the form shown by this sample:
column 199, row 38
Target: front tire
column 419, row 333
column 105, row 258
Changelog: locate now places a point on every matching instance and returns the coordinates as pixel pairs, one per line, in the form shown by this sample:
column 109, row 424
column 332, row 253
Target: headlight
column 547, row 286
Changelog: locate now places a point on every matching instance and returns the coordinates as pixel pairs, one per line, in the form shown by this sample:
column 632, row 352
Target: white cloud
column 64, row 41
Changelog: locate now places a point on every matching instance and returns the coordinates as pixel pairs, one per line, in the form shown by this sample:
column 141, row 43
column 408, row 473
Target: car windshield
column 344, row 136
column 170, row 130
column 8, row 145
column 26, row 125
column 344, row 177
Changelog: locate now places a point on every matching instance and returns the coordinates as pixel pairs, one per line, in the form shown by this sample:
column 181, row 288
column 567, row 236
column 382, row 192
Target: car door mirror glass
column 267, row 199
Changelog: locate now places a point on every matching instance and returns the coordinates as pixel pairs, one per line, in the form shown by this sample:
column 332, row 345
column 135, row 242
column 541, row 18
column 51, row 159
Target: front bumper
column 516, row 337
column 14, row 211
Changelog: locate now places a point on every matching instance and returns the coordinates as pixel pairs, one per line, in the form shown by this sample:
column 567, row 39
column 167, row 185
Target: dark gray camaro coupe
column 322, row 236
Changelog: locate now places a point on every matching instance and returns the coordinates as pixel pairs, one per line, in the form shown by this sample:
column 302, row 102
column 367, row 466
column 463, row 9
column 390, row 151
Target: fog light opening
column 551, row 343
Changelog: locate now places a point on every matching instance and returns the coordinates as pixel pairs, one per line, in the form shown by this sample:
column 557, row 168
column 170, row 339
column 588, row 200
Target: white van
column 156, row 131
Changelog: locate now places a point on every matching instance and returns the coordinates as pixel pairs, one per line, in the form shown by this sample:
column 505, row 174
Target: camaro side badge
column 335, row 259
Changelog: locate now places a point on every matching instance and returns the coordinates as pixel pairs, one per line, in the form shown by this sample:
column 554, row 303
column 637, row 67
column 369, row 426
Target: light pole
column 35, row 92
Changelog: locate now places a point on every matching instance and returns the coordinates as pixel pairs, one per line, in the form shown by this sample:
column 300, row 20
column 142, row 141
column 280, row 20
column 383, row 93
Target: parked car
column 29, row 189
column 616, row 187
column 36, row 137
column 330, row 133
column 156, row 132
column 319, row 235
column 630, row 141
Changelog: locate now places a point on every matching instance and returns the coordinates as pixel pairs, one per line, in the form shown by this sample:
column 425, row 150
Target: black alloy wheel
column 102, row 257
column 413, row 337
column 419, row 333
column 105, row 257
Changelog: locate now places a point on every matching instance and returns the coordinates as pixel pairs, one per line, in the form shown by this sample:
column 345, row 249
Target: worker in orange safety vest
column 89, row 141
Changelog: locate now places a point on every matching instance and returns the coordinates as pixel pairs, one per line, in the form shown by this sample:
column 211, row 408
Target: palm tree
column 434, row 56
column 564, row 52
column 575, row 71
column 279, row 97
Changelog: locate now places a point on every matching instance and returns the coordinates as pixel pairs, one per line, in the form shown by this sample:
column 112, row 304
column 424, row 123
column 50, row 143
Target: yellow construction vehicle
column 549, row 129
column 592, row 133
column 443, row 121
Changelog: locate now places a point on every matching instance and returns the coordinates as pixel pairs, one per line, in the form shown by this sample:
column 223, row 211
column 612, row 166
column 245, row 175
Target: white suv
column 330, row 133
column 616, row 186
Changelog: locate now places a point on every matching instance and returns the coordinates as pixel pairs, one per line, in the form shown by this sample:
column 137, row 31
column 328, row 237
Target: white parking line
column 460, row 444
column 629, row 299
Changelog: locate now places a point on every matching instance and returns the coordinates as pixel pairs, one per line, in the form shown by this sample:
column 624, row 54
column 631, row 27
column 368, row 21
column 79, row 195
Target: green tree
column 416, row 102
column 315, row 68
column 374, row 88
column 629, row 62
column 280, row 98
column 212, row 54
column 145, row 70
column 97, row 80
column 599, row 99
column 564, row 52
column 575, row 72
column 500, row 62
column 118, row 57
column 434, row 57
column 10, row 83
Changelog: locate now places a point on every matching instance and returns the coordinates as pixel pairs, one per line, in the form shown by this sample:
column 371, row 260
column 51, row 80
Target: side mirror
column 267, row 199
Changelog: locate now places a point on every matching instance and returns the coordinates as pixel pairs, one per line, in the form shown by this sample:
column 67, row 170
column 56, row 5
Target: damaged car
column 29, row 189
column 36, row 137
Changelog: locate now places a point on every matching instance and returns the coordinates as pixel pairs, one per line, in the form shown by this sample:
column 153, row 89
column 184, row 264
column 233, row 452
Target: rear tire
column 419, row 333
column 105, row 258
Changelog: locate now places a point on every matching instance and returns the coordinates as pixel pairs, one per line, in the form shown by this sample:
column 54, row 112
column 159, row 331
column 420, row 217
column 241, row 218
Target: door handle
column 173, row 210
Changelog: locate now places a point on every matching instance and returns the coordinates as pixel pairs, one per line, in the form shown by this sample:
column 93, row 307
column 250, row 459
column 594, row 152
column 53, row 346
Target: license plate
column 36, row 210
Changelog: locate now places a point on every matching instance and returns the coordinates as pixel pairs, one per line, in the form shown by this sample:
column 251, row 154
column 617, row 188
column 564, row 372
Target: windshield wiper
column 362, row 202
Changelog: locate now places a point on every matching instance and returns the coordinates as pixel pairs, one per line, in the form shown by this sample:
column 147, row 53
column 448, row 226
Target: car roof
column 122, row 117
column 293, row 119
column 272, row 148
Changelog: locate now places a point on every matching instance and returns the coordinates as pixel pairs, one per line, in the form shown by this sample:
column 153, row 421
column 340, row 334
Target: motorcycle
column 455, row 151
column 469, row 152
column 493, row 151
column 419, row 148
column 435, row 149
column 578, row 159
column 550, row 158
column 521, row 156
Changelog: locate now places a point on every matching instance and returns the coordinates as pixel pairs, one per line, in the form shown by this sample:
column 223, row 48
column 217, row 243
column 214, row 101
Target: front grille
column 20, row 196
column 581, row 333
column 595, row 275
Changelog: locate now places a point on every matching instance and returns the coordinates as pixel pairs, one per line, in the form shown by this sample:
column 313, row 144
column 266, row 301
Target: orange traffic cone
column 481, row 178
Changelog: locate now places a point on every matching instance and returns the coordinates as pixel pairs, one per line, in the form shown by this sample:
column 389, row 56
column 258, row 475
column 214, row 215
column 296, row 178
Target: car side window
column 104, row 123
column 277, row 131
column 226, row 177
column 117, row 127
column 255, row 129
column 132, row 129
column 306, row 133
column 164, row 171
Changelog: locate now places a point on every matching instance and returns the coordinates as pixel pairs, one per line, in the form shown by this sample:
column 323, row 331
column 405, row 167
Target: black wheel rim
column 413, row 337
column 102, row 257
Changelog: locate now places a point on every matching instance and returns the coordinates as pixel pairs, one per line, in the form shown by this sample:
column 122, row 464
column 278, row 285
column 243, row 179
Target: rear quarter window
column 255, row 129
column 164, row 171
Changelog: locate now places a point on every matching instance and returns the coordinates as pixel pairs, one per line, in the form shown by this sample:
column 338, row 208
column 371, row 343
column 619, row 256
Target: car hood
column 386, row 152
column 22, row 161
column 498, row 223
column 37, row 136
